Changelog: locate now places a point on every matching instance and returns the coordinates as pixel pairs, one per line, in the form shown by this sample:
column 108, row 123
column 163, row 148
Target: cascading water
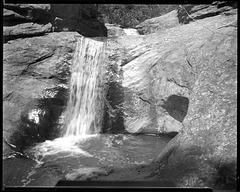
column 86, row 102
column 84, row 114
column 81, row 148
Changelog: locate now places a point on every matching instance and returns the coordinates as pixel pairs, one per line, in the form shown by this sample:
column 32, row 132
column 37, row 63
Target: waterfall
column 86, row 101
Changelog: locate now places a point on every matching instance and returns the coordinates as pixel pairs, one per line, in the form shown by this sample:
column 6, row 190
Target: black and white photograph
column 131, row 96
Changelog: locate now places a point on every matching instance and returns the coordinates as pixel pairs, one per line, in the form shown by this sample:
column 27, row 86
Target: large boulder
column 154, row 82
column 34, row 69
column 160, row 71
column 25, row 20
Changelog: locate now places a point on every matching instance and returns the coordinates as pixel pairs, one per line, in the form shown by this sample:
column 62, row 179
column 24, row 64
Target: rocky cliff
column 25, row 20
column 39, row 42
column 183, row 79
column 179, row 78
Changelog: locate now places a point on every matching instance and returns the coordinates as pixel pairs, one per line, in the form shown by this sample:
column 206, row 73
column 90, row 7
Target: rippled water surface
column 53, row 160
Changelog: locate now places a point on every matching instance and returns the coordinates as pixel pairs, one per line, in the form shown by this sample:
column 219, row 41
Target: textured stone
column 188, row 13
column 25, row 30
column 32, row 68
column 194, row 61
column 24, row 13
column 183, row 77
column 24, row 20
column 156, row 24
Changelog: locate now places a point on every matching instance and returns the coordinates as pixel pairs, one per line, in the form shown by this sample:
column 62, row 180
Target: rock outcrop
column 181, row 79
column 160, row 23
column 35, row 69
column 189, row 13
column 26, row 20
column 160, row 72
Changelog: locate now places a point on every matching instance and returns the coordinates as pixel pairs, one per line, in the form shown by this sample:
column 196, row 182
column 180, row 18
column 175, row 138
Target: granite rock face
column 155, row 24
column 188, row 13
column 206, row 150
column 14, row 14
column 155, row 82
column 35, row 70
column 25, row 20
column 25, row 30
column 181, row 79
column 160, row 72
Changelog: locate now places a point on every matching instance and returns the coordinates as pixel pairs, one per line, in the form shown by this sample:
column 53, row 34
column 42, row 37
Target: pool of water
column 63, row 158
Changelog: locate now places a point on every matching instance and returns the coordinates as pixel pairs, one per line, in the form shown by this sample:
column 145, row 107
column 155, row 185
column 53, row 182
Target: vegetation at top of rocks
column 130, row 15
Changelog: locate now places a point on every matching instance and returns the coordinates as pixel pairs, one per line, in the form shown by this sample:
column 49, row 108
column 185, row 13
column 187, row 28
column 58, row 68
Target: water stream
column 81, row 145
column 64, row 158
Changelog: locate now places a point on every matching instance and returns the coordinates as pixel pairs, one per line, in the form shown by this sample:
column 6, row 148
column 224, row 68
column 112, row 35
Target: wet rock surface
column 35, row 68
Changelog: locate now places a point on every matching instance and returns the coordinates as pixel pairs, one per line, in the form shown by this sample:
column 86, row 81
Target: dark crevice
column 176, row 106
column 144, row 100
column 126, row 61
column 113, row 121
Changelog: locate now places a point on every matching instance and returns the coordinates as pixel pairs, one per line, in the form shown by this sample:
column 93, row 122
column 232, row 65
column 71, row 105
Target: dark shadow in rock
column 113, row 121
column 39, row 121
column 170, row 134
column 176, row 106
column 226, row 179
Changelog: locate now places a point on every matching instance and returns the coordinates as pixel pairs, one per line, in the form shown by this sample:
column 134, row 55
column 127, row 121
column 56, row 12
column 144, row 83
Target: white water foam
column 70, row 145
column 86, row 102
column 131, row 31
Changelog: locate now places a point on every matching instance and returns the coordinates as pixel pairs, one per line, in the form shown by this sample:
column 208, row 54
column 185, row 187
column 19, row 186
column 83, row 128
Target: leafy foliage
column 130, row 15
